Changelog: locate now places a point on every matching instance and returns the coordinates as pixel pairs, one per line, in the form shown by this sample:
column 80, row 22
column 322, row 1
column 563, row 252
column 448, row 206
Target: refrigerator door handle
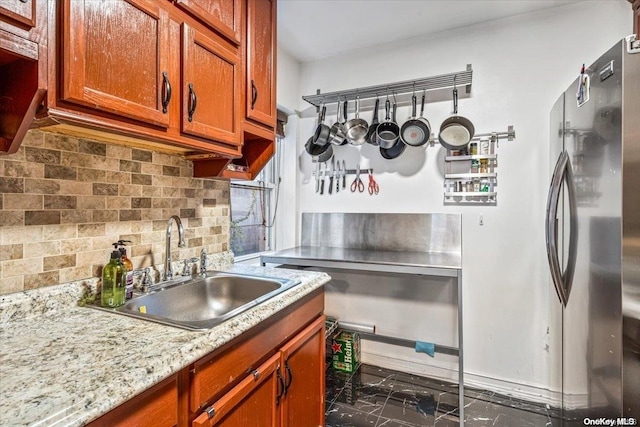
column 551, row 228
column 567, row 275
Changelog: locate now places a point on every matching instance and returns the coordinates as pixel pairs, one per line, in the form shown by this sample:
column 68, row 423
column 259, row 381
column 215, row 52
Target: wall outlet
column 481, row 220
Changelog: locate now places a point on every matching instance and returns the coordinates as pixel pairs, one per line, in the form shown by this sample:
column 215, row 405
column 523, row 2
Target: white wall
column 520, row 66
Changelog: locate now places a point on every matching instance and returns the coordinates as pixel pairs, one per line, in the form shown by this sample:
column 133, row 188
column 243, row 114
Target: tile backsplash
column 64, row 200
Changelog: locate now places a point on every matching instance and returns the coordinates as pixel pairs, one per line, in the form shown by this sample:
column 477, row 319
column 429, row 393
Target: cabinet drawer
column 218, row 372
column 156, row 407
column 22, row 12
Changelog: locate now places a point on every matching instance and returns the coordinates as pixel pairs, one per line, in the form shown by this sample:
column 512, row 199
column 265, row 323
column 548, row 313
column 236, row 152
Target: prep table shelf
column 400, row 262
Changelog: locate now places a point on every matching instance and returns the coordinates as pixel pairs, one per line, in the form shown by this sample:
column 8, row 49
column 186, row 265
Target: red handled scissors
column 357, row 183
column 373, row 185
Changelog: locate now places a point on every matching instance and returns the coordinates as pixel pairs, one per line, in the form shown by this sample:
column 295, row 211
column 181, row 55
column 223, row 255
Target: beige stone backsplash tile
column 117, row 228
column 23, row 201
column 104, row 163
column 75, row 159
column 163, row 159
column 38, row 280
column 91, row 230
column 11, row 251
column 151, row 169
column 76, row 216
column 11, row 284
column 60, row 142
column 118, row 152
column 76, row 188
column 75, row 245
column 118, row 177
column 75, row 273
column 162, row 181
column 92, row 175
column 21, row 267
column 92, row 202
column 11, row 235
column 58, row 261
column 58, row 232
column 40, row 249
column 130, row 190
column 22, row 169
column 33, row 138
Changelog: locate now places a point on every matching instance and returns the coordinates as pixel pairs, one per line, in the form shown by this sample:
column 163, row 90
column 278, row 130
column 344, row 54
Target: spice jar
column 484, row 146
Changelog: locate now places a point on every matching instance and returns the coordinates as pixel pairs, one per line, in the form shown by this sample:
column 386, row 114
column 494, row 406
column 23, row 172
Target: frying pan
column 388, row 132
column 336, row 134
column 371, row 133
column 322, row 152
column 397, row 148
column 356, row 129
column 456, row 131
column 321, row 137
column 415, row 132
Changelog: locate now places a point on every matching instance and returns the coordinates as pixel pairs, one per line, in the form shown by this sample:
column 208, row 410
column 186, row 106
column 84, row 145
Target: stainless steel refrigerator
column 593, row 238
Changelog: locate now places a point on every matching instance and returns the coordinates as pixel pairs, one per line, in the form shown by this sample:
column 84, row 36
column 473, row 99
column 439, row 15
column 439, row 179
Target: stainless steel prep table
column 372, row 254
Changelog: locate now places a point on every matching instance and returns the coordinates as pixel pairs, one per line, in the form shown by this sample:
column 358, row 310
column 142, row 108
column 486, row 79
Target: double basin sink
column 200, row 303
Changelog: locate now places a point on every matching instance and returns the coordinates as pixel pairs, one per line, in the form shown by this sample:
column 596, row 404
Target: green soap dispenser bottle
column 113, row 282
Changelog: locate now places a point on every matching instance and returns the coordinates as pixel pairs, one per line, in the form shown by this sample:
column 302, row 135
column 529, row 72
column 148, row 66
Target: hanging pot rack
column 443, row 81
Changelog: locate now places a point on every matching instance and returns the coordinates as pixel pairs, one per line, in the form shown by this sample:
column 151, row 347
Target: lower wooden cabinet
column 286, row 390
column 272, row 375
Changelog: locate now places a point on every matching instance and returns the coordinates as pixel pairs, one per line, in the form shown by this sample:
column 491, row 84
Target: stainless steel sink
column 201, row 303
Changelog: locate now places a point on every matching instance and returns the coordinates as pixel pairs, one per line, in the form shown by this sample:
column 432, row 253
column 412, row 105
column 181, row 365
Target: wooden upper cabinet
column 211, row 78
column 115, row 58
column 224, row 16
column 21, row 12
column 261, row 63
column 636, row 16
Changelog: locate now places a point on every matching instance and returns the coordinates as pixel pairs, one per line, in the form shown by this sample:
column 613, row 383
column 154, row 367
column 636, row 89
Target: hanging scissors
column 357, row 183
column 374, row 188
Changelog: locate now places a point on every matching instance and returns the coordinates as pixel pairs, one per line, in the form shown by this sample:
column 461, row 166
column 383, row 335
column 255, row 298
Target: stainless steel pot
column 356, row 129
column 336, row 134
column 415, row 132
column 321, row 136
column 388, row 132
column 456, row 131
column 371, row 133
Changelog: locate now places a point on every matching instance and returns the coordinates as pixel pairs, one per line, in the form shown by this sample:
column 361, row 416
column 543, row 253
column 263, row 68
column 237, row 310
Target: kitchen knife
column 344, row 174
column 317, row 177
column 338, row 174
column 322, row 182
column 333, row 171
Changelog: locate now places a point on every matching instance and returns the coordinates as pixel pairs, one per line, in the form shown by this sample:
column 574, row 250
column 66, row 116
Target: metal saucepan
column 344, row 120
column 398, row 147
column 322, row 152
column 356, row 129
column 456, row 131
column 388, row 132
column 336, row 134
column 371, row 133
column 415, row 132
column 321, row 137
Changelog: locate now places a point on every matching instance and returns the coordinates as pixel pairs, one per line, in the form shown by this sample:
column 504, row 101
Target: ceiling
column 315, row 29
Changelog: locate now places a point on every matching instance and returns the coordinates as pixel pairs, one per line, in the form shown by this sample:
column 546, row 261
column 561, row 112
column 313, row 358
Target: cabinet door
column 21, row 11
column 223, row 16
column 115, row 53
column 210, row 87
column 254, row 402
column 303, row 373
column 261, row 61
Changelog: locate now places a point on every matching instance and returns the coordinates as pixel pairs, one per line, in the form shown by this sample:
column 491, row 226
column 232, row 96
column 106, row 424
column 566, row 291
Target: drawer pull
column 281, row 389
column 290, row 375
column 193, row 102
column 211, row 412
column 254, row 94
column 166, row 94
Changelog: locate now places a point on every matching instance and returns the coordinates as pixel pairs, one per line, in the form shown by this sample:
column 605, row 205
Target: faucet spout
column 168, row 269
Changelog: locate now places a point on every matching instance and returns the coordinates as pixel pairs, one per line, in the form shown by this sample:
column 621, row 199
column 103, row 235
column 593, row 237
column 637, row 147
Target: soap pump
column 113, row 282
column 121, row 246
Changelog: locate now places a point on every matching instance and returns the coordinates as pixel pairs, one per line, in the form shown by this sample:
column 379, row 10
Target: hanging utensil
column 455, row 131
column 397, row 148
column 321, row 153
column 336, row 133
column 321, row 135
column 374, row 188
column 333, row 172
column 357, row 183
column 356, row 128
column 388, row 131
column 371, row 133
column 338, row 173
column 415, row 132
column 323, row 178
column 344, row 174
column 317, row 177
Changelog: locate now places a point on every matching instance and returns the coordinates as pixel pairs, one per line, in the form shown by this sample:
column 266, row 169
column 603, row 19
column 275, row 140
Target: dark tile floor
column 375, row 397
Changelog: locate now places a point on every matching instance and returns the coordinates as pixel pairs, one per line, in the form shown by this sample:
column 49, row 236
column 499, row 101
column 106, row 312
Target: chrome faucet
column 168, row 269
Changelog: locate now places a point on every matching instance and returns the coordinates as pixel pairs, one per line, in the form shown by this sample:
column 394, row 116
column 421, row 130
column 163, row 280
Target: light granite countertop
column 65, row 365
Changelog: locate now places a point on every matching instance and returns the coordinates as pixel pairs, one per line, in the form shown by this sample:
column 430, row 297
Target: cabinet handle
column 23, row 1
column 288, row 383
column 193, row 102
column 166, row 94
column 254, row 94
column 281, row 389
